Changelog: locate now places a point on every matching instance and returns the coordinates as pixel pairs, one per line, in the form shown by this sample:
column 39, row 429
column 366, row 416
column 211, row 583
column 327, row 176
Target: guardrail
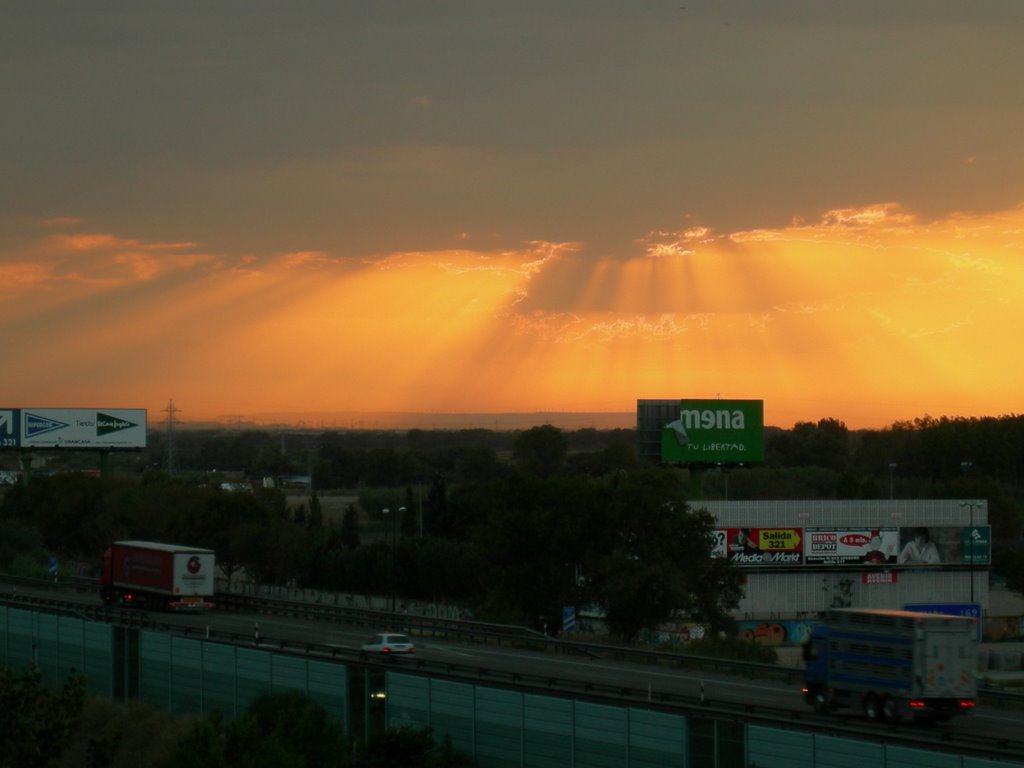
column 507, row 635
column 475, row 632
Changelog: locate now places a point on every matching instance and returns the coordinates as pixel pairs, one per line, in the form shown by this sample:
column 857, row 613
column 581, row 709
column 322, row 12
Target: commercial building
column 801, row 557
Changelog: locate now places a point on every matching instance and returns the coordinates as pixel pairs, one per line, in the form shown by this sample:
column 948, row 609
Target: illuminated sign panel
column 714, row 432
column 73, row 428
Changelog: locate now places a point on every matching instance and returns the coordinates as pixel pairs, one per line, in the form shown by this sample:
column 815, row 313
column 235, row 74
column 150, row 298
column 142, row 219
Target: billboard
column 864, row 547
column 851, row 546
column 945, row 545
column 714, row 432
column 73, row 428
column 759, row 546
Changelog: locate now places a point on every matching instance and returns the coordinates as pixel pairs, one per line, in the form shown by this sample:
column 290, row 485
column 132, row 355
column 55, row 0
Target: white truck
column 892, row 664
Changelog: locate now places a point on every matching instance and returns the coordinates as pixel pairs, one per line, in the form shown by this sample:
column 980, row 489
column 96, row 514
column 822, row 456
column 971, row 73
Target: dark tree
column 37, row 723
column 657, row 562
column 541, row 451
column 409, row 747
column 316, row 512
column 436, row 517
column 531, row 537
column 279, row 729
column 350, row 528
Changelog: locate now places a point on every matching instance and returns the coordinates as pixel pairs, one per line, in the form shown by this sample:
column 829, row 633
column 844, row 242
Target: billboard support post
column 696, row 483
column 26, row 465
column 970, row 537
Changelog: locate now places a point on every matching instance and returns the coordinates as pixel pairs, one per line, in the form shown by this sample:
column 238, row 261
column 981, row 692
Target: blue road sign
column 970, row 610
column 568, row 618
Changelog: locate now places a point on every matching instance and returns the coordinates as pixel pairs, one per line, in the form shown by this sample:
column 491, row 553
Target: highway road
column 649, row 683
column 636, row 684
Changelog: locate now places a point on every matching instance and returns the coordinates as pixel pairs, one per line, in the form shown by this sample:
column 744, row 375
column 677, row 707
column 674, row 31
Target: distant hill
column 404, row 421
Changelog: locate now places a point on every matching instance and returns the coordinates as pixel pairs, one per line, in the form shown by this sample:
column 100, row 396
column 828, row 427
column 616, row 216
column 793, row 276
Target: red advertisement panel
column 878, row 577
column 143, row 567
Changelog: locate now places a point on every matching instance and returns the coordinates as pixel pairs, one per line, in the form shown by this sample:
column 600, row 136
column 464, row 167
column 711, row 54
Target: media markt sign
column 715, row 432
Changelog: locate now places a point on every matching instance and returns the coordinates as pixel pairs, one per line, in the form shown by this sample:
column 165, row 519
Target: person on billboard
column 875, row 554
column 920, row 549
column 742, row 543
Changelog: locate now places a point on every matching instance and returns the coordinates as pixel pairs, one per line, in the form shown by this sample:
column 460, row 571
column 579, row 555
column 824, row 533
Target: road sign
column 568, row 618
column 970, row 610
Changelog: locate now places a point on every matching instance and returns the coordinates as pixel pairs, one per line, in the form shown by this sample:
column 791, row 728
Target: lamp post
column 970, row 536
column 965, row 465
column 394, row 549
column 892, row 469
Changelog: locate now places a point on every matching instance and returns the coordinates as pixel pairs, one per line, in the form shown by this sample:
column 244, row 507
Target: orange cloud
column 869, row 315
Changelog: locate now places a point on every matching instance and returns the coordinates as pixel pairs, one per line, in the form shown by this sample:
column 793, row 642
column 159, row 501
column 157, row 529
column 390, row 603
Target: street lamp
column 892, row 469
column 394, row 549
column 419, row 494
column 965, row 465
column 970, row 535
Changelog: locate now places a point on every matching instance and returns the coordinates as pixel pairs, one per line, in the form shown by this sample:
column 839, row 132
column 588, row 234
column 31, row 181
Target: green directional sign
column 105, row 423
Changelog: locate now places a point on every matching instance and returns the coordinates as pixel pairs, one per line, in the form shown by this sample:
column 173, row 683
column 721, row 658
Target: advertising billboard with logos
column 863, row 547
column 851, row 546
column 759, row 546
column 119, row 428
column 945, row 545
column 714, row 432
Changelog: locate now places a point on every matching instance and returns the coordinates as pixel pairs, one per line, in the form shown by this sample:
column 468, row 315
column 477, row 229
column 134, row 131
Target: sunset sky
column 262, row 208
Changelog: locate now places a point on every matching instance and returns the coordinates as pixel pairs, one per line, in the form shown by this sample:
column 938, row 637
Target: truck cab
column 815, row 657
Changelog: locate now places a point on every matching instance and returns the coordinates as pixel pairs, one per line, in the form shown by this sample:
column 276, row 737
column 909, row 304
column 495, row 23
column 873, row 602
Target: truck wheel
column 891, row 709
column 872, row 710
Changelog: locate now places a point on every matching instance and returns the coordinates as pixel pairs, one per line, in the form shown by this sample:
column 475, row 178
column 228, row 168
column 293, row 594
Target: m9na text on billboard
column 715, row 432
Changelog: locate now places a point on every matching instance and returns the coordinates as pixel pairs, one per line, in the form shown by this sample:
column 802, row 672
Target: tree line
column 515, row 549
column 61, row 725
column 515, row 525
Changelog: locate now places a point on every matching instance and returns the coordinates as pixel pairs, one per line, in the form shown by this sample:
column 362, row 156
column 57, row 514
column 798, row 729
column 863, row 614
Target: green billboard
column 714, row 432
column 976, row 544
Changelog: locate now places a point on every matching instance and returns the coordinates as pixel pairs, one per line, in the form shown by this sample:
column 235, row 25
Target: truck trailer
column 149, row 574
column 893, row 665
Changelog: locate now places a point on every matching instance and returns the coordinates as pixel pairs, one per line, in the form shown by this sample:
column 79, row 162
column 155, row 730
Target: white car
column 389, row 642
